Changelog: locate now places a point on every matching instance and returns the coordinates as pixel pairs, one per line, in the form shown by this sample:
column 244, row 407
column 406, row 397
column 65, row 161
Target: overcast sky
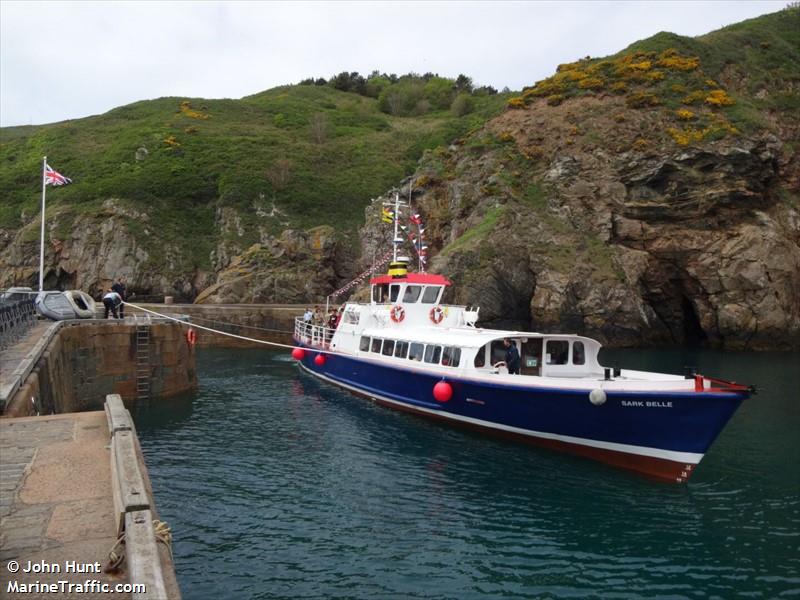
column 67, row 60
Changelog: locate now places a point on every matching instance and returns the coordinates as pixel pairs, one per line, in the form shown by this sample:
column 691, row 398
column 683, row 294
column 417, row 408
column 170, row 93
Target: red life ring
column 436, row 314
column 191, row 337
column 398, row 313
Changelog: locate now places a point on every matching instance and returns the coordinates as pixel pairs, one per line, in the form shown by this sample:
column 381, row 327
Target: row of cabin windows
column 389, row 293
column 448, row 356
column 556, row 353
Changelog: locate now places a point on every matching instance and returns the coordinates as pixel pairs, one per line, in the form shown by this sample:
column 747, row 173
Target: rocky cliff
column 651, row 197
column 584, row 208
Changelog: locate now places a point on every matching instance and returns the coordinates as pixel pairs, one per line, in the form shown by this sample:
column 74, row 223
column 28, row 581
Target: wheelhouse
column 410, row 288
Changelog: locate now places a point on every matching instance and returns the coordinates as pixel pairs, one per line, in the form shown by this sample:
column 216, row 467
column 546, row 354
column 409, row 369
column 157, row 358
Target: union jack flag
column 52, row 177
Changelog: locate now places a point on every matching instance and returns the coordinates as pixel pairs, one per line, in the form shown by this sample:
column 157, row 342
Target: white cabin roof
column 463, row 337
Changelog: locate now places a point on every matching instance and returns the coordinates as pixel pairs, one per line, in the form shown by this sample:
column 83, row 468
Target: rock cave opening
column 693, row 333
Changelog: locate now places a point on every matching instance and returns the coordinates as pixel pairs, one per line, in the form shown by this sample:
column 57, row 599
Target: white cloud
column 64, row 60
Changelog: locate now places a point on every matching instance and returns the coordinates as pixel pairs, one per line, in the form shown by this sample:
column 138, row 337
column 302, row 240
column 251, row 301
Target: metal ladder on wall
column 143, row 358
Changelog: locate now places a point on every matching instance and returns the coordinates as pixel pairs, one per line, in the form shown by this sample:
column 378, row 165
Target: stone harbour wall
column 88, row 359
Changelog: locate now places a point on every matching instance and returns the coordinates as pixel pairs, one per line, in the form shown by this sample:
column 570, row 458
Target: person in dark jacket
column 512, row 357
column 119, row 287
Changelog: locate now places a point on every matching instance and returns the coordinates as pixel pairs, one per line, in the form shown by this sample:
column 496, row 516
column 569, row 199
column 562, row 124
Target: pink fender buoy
column 442, row 391
column 298, row 354
column 319, row 360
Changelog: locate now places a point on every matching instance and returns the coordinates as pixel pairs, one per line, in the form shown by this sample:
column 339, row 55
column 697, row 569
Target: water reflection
column 278, row 485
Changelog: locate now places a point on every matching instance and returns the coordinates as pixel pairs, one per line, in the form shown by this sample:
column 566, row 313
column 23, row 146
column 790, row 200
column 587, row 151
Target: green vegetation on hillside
column 294, row 156
column 711, row 86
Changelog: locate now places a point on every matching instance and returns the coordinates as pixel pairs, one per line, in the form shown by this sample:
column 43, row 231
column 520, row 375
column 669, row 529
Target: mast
column 396, row 223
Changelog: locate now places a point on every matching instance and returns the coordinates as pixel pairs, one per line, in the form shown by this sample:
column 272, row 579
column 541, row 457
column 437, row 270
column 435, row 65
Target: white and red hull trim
column 666, row 464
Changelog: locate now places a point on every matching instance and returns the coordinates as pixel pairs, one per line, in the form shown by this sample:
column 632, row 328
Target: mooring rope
column 194, row 318
column 217, row 331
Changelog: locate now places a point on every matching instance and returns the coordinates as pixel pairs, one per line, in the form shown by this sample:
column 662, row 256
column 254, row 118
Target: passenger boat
column 408, row 351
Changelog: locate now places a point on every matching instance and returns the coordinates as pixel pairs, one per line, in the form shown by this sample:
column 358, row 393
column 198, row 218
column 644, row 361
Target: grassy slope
column 214, row 153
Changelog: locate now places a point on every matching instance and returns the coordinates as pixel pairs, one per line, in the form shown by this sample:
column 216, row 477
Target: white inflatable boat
column 71, row 304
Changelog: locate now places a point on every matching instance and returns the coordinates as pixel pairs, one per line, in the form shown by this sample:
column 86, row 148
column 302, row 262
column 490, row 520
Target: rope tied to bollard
column 116, row 556
column 163, row 534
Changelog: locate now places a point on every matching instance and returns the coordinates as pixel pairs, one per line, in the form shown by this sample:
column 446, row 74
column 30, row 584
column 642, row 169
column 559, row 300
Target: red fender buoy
column 191, row 337
column 298, row 354
column 319, row 360
column 442, row 391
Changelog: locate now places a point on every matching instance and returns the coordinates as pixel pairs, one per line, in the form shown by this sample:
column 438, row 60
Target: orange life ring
column 398, row 313
column 436, row 314
column 191, row 337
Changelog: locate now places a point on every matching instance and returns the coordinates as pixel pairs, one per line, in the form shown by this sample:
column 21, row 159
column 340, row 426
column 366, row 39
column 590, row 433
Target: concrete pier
column 70, row 366
column 58, row 514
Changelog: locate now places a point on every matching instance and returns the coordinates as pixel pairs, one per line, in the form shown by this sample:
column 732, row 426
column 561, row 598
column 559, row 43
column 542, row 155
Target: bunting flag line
column 358, row 280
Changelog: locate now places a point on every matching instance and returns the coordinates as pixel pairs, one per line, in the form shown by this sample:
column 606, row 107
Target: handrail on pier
column 16, row 318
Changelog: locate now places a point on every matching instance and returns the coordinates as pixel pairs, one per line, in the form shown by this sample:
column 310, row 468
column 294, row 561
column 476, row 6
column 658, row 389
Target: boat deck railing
column 311, row 334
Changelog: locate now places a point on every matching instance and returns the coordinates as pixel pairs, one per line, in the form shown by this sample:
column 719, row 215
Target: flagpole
column 41, row 240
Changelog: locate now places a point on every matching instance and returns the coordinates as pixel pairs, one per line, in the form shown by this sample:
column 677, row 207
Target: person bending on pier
column 111, row 301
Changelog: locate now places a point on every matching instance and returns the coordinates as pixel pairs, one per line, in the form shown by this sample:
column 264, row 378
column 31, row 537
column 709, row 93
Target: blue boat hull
column 662, row 434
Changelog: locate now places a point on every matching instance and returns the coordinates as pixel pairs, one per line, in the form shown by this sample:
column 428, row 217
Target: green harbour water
column 280, row 486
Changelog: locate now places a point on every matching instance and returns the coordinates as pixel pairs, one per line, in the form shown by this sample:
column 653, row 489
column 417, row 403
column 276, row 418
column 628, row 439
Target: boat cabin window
column 376, row 344
column 480, row 358
column 412, row 293
column 498, row 352
column 380, row 293
column 351, row 317
column 430, row 294
column 394, row 292
column 388, row 347
column 401, row 349
column 557, row 352
column 364, row 345
column 578, row 353
column 415, row 351
column 451, row 356
column 433, row 354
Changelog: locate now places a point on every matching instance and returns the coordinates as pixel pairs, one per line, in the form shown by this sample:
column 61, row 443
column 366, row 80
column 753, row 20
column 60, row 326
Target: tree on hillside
column 319, row 127
column 440, row 92
column 462, row 105
column 279, row 173
column 463, row 83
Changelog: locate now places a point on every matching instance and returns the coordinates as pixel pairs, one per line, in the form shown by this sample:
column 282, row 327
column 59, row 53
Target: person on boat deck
column 512, row 357
column 308, row 315
column 111, row 301
column 319, row 316
column 119, row 288
column 333, row 319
